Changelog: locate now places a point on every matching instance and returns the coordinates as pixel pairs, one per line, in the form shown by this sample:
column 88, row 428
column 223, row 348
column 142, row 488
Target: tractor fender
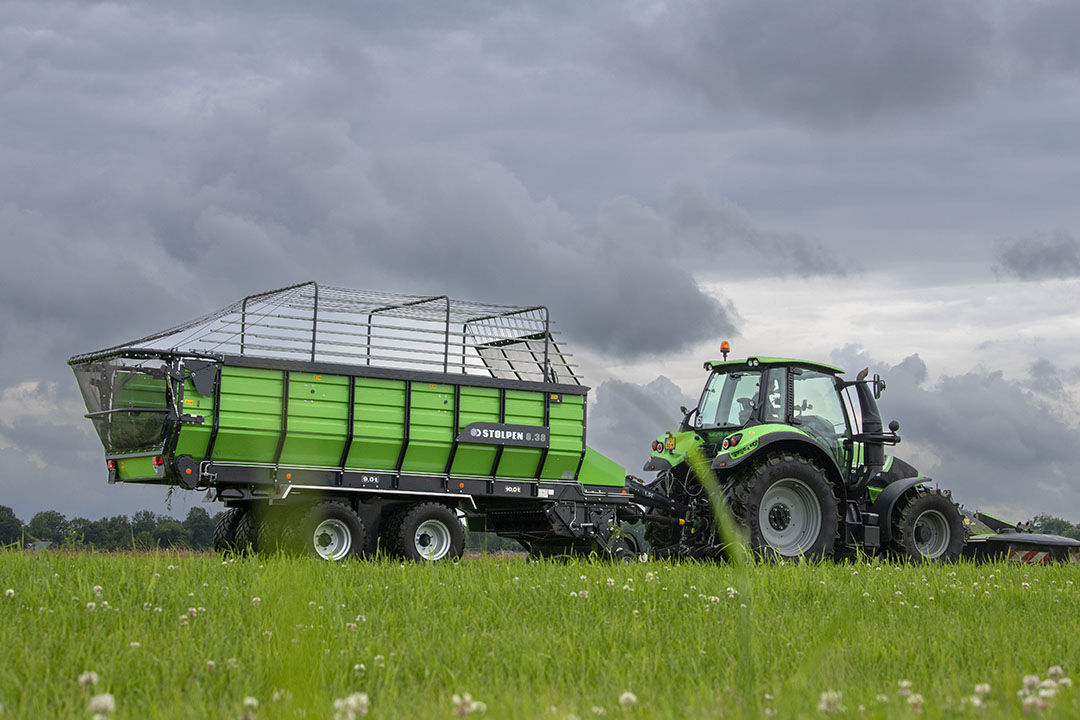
column 886, row 501
column 797, row 442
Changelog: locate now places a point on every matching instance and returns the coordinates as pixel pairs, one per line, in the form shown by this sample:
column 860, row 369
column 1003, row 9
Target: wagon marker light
column 158, row 461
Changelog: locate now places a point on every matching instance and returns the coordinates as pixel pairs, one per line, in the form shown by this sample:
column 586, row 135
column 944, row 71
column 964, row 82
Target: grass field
column 190, row 636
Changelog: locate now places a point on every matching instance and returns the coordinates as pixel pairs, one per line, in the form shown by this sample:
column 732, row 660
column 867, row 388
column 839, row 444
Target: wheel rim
column 790, row 517
column 932, row 534
column 432, row 540
column 332, row 539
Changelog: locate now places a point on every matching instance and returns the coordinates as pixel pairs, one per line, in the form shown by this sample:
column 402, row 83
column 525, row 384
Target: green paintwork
column 751, row 439
column 317, row 427
column 135, row 468
column 601, row 471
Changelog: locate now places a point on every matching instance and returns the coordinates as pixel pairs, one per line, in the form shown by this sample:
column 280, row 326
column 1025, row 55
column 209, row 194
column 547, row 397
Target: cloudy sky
column 864, row 182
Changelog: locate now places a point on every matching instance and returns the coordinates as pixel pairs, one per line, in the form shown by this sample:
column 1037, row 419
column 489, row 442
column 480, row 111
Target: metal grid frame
column 377, row 329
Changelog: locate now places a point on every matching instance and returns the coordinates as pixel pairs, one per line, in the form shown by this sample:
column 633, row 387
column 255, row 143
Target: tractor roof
column 759, row 362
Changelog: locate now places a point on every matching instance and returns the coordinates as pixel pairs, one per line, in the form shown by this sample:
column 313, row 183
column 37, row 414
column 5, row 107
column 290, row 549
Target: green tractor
column 802, row 472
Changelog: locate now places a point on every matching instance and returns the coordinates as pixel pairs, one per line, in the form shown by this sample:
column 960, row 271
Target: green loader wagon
column 336, row 422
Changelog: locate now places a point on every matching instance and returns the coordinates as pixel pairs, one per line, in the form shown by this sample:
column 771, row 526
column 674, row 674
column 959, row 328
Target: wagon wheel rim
column 332, row 539
column 790, row 517
column 432, row 540
column 931, row 534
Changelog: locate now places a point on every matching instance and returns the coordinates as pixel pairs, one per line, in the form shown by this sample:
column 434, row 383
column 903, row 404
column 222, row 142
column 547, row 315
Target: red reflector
column 734, row 440
column 159, row 461
column 112, row 464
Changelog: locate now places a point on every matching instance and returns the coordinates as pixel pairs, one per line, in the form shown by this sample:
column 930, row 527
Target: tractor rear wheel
column 927, row 526
column 225, row 530
column 788, row 506
column 330, row 530
column 430, row 531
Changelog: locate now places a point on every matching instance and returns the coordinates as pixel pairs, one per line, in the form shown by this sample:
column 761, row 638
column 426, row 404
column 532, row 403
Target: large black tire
column 247, row 531
column 225, row 530
column 330, row 530
column 274, row 533
column 927, row 526
column 430, row 531
column 788, row 507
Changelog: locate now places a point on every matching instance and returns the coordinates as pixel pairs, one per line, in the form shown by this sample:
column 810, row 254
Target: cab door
column 818, row 409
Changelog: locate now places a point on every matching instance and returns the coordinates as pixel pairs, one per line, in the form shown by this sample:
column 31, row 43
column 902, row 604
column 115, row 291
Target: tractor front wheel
column 927, row 526
column 788, row 506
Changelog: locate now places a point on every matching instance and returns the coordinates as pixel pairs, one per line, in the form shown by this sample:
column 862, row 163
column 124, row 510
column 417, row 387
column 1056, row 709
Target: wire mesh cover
column 127, row 401
column 329, row 324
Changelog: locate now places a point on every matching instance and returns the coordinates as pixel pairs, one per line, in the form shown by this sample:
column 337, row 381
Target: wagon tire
column 927, row 527
column 430, row 532
column 274, row 533
column 331, row 531
column 246, row 538
column 225, row 530
column 788, row 507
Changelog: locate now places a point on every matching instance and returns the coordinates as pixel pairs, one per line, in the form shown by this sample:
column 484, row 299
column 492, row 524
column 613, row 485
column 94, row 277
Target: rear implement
column 328, row 419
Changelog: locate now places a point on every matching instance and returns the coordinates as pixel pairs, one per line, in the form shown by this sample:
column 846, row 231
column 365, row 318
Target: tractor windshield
column 729, row 399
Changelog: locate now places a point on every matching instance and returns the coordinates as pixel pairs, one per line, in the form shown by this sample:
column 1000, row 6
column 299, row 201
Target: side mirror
column 879, row 386
column 894, row 426
column 683, row 410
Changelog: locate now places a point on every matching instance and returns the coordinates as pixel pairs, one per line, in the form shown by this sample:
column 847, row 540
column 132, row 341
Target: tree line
column 144, row 531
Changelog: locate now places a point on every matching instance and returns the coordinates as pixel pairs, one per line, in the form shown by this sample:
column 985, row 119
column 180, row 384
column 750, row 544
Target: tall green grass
column 531, row 640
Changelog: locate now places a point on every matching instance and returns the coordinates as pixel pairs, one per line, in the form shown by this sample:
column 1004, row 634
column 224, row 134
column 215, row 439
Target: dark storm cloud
column 1040, row 257
column 994, row 441
column 837, row 63
column 624, row 417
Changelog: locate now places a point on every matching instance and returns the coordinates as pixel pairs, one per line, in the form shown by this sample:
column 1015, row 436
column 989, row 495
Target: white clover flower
column 135, row 644
column 982, row 689
column 627, row 700
column 88, row 678
column 732, row 592
column 598, row 710
column 1065, row 682
column 97, row 590
column 831, row 701
column 584, row 594
column 916, row 702
column 882, row 698
column 351, row 627
column 256, row 601
column 465, row 705
column 1048, row 693
column 1030, row 682
column 1055, row 672
column 91, row 605
column 610, row 582
column 1033, row 703
column 351, row 707
column 281, row 696
column 976, row 701
column 1026, row 586
column 378, row 662
column 104, row 704
column 10, row 592
column 905, row 688
column 209, row 664
column 251, row 703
